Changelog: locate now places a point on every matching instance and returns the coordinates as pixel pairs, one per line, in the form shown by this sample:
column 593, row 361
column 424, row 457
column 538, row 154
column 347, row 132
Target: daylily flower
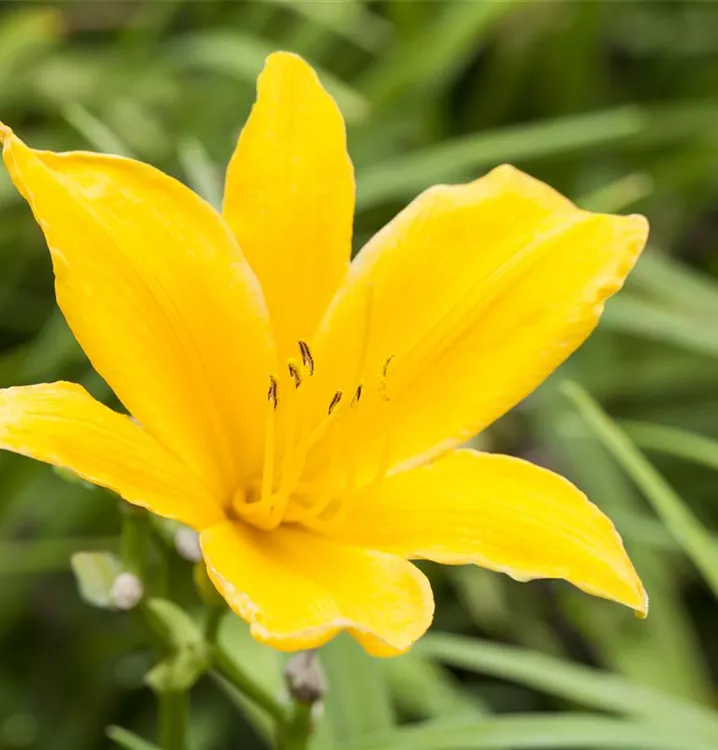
column 304, row 413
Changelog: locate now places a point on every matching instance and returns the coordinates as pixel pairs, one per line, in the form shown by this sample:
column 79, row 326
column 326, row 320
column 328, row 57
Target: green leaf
column 460, row 158
column 262, row 665
column 242, row 56
column 358, row 701
column 352, row 20
column 674, row 441
column 534, row 731
column 675, row 283
column 456, row 35
column 599, row 690
column 618, row 195
column 655, row 321
column 68, row 475
column 179, row 671
column 423, row 688
column 128, row 740
column 25, row 37
column 678, row 518
column 93, row 130
column 202, row 174
column 95, row 572
column 178, row 627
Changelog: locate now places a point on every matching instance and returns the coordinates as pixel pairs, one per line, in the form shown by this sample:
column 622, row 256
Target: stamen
column 386, row 366
column 265, row 495
column 383, row 386
column 272, row 393
column 294, row 372
column 307, row 359
column 335, row 401
column 357, row 395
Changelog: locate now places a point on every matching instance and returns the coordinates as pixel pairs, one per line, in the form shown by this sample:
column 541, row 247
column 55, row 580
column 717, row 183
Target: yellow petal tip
column 5, row 132
column 284, row 57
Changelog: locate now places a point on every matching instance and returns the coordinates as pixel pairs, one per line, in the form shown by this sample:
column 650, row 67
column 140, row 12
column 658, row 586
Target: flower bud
column 304, row 677
column 127, row 591
column 187, row 545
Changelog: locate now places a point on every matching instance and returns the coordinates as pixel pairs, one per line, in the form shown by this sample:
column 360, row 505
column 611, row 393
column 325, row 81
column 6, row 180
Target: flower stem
column 227, row 667
column 214, row 616
column 297, row 732
column 134, row 541
column 174, row 705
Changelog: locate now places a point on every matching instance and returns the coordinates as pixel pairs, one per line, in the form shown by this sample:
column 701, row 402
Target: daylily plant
column 305, row 413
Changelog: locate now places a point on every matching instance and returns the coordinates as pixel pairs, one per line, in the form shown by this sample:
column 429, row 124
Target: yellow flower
column 302, row 412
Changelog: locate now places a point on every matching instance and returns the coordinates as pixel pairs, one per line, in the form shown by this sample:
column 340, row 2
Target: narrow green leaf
column 202, row 174
column 674, row 442
column 534, row 731
column 242, row 56
column 461, row 158
column 651, row 320
column 456, row 35
column 93, row 130
column 128, row 740
column 589, row 687
column 95, row 572
column 24, row 36
column 618, row 195
column 358, row 701
column 43, row 555
column 675, row 283
column 678, row 518
column 423, row 688
column 354, row 21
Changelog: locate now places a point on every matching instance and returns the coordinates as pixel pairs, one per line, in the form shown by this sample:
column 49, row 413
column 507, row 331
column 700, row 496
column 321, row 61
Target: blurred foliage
column 616, row 104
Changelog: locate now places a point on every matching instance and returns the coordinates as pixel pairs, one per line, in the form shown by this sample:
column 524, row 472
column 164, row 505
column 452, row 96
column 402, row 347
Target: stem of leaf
column 174, row 705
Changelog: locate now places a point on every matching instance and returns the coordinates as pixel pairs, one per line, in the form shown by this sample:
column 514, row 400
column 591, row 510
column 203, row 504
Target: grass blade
column 455, row 35
column 534, row 731
column 572, row 682
column 460, row 158
column 678, row 518
column 358, row 702
column 128, row 740
column 674, row 442
column 94, row 131
column 650, row 320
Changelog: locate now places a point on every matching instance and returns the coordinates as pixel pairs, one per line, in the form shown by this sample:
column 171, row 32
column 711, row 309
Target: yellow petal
column 501, row 513
column 289, row 197
column 156, row 291
column 471, row 297
column 298, row 590
column 61, row 424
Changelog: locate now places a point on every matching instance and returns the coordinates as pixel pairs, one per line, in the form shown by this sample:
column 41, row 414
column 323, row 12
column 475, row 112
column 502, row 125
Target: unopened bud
column 127, row 591
column 304, row 678
column 187, row 545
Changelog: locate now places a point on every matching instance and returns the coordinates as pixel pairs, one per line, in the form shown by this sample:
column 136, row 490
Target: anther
column 385, row 368
column 296, row 375
column 272, row 393
column 357, row 395
column 335, row 401
column 383, row 386
column 307, row 359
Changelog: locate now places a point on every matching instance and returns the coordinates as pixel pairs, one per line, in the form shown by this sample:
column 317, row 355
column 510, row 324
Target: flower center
column 309, row 474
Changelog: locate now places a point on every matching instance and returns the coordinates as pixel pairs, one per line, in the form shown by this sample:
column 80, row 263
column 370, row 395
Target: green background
column 613, row 103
